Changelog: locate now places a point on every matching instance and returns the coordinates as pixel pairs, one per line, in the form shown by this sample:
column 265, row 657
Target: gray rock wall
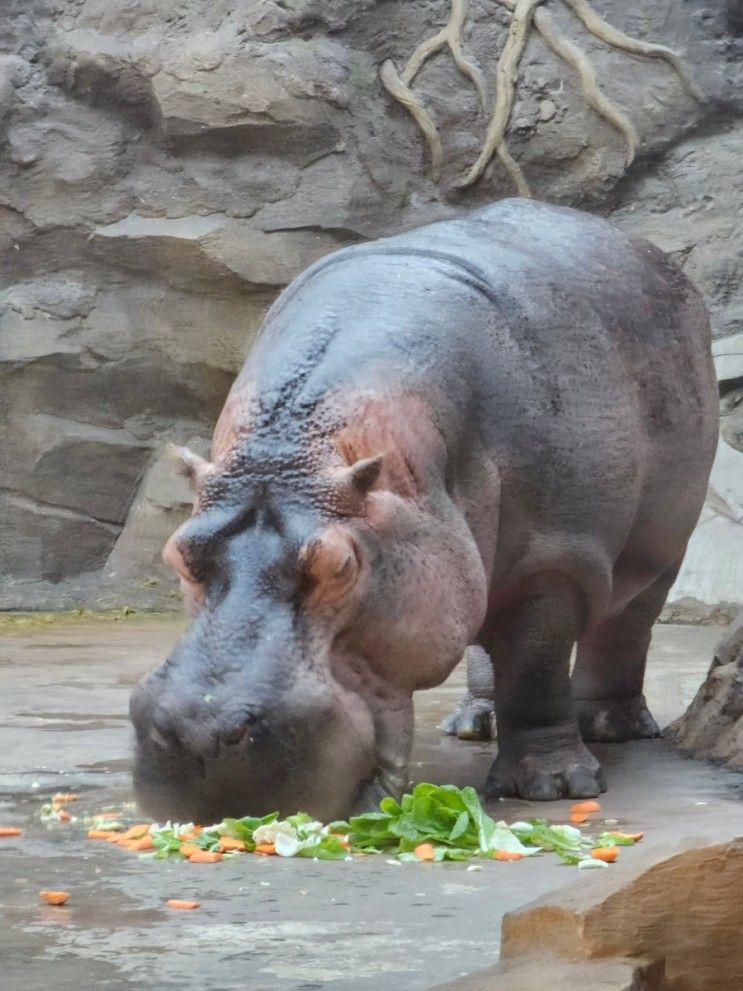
column 166, row 168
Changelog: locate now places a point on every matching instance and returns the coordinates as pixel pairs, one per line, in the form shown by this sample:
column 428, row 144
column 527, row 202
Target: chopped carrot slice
column 135, row 832
column 143, row 843
column 109, row 815
column 103, row 834
column 507, row 855
column 205, row 857
column 266, row 849
column 63, row 815
column 585, row 808
column 424, row 851
column 229, row 843
column 628, row 836
column 10, row 831
column 606, row 853
column 64, row 798
column 188, row 848
column 54, row 897
column 179, row 903
column 578, row 818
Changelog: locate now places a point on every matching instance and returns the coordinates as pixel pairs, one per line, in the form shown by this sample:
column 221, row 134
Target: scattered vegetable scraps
column 54, row 897
column 433, row 823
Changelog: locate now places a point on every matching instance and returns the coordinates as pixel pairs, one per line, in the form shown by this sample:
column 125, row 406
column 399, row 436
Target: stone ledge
column 547, row 972
column 673, row 925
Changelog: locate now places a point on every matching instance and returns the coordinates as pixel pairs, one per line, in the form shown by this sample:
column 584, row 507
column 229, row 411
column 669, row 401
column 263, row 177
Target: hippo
column 490, row 435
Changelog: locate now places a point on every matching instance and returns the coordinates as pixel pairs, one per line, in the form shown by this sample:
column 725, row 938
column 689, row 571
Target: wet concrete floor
column 268, row 924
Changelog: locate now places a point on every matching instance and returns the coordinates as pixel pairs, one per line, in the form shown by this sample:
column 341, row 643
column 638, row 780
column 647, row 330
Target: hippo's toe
column 526, row 767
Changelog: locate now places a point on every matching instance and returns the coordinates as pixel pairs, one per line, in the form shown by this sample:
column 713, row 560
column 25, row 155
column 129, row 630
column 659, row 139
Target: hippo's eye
column 330, row 564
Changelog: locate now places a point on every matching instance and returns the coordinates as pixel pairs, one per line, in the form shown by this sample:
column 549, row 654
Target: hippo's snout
column 203, row 727
column 203, row 755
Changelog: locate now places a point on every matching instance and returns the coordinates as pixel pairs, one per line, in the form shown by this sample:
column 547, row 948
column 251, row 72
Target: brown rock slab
column 686, row 910
column 712, row 726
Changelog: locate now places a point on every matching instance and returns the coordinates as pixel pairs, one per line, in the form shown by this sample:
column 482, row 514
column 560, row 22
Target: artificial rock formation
column 671, row 922
column 712, row 726
column 164, row 172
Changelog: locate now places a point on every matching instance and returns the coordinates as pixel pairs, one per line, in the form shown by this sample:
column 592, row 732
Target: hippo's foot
column 542, row 765
column 373, row 791
column 473, row 719
column 615, row 720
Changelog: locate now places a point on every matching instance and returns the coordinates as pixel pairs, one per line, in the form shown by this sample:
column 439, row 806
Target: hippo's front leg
column 541, row 755
column 474, row 716
column 393, row 728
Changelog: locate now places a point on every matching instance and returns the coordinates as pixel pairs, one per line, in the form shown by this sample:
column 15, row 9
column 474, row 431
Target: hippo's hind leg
column 541, row 755
column 610, row 670
column 474, row 716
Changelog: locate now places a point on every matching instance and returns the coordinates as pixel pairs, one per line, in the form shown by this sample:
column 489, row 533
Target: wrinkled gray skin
column 492, row 431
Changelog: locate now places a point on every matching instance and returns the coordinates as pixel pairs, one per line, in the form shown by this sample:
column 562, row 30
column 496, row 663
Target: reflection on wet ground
column 268, row 924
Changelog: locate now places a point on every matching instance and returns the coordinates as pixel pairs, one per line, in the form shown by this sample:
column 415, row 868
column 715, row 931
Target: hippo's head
column 310, row 629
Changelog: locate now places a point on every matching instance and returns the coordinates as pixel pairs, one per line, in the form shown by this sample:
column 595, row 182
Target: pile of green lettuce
column 451, row 819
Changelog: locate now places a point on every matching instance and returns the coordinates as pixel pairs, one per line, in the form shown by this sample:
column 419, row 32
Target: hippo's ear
column 330, row 565
column 191, row 466
column 363, row 474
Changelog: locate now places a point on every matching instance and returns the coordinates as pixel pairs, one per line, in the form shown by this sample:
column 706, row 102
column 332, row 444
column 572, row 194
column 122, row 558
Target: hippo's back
column 543, row 310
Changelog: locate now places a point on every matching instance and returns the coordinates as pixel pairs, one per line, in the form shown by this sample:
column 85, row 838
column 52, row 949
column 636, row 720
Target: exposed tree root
column 505, row 77
column 404, row 95
column 450, row 35
column 398, row 85
column 604, row 31
column 524, row 14
column 594, row 97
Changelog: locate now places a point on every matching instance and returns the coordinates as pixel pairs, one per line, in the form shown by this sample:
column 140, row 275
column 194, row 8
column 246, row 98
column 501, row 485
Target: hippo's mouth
column 312, row 762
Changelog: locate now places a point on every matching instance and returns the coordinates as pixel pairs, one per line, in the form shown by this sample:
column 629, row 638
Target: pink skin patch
column 193, row 592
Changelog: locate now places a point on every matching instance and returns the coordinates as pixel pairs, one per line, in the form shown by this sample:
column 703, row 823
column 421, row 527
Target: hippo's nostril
column 160, row 740
column 238, row 736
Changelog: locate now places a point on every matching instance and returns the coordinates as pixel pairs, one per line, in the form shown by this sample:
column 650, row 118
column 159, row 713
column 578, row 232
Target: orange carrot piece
column 606, row 853
column 63, row 798
column 54, row 897
column 63, row 815
column 630, row 836
column 507, row 855
column 191, row 834
column 180, row 903
column 109, row 815
column 205, row 857
column 578, row 818
column 188, row 848
column 266, row 849
column 10, row 831
column 585, row 808
column 135, row 832
column 143, row 843
column 424, row 851
column 103, row 834
column 228, row 843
